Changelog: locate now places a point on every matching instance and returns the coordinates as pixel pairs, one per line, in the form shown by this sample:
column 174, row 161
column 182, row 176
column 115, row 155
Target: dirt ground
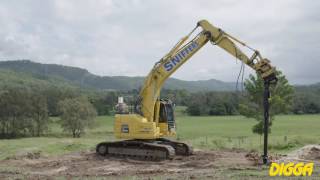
column 220, row 164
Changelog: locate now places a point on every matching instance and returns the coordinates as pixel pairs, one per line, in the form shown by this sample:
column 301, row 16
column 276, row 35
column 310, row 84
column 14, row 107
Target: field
column 214, row 134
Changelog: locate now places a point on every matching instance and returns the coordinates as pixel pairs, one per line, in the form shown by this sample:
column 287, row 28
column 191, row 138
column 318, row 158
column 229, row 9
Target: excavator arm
column 147, row 103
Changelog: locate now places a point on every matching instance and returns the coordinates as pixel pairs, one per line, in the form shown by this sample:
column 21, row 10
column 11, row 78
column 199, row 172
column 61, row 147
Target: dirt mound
column 306, row 153
column 313, row 153
column 254, row 157
column 26, row 155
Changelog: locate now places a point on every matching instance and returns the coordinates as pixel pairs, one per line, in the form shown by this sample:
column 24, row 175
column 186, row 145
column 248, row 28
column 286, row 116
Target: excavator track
column 136, row 149
column 179, row 147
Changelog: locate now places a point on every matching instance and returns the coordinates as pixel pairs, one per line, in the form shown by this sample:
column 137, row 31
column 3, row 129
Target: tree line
column 22, row 112
column 25, row 110
column 227, row 103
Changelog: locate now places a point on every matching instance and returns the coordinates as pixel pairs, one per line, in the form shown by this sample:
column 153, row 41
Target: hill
column 10, row 78
column 83, row 78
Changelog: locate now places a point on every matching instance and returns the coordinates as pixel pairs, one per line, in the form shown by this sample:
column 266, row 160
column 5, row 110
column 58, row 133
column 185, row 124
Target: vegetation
column 210, row 132
column 104, row 102
column 212, row 103
column 307, row 99
column 28, row 98
column 280, row 100
column 22, row 112
column 76, row 115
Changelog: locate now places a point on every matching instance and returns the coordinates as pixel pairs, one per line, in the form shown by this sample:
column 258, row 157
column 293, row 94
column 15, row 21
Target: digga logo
column 168, row 66
column 291, row 169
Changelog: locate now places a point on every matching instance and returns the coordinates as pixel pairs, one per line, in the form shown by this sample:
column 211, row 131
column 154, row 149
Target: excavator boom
column 181, row 53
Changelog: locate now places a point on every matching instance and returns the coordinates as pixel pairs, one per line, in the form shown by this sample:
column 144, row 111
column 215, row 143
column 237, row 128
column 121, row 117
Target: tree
column 55, row 95
column 14, row 108
column 306, row 102
column 198, row 104
column 23, row 112
column 104, row 102
column 76, row 115
column 251, row 104
column 194, row 110
column 39, row 114
column 212, row 103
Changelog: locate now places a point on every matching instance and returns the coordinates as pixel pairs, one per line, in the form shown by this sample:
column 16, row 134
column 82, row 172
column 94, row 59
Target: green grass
column 288, row 132
column 212, row 132
column 57, row 142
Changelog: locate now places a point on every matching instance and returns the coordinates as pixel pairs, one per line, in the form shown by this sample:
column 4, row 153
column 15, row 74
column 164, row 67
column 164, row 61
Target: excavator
column 144, row 131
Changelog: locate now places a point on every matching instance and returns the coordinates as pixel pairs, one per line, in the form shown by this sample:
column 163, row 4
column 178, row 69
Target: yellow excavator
column 145, row 129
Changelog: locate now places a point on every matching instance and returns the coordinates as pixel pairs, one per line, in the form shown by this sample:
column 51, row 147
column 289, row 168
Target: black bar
column 266, row 120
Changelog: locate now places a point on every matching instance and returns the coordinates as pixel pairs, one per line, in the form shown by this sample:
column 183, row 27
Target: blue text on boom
column 168, row 66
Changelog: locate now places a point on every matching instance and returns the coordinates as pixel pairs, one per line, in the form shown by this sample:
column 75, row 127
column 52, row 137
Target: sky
column 126, row 37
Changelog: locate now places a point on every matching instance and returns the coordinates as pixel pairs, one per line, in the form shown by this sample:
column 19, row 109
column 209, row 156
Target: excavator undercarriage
column 157, row 149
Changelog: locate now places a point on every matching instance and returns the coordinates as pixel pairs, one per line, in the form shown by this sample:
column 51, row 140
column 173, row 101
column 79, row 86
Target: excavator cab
column 167, row 114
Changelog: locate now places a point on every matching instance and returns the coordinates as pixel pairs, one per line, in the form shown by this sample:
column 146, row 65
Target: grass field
column 212, row 132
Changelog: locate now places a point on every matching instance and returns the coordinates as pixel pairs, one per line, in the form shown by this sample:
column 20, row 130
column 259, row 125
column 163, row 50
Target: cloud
column 117, row 37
